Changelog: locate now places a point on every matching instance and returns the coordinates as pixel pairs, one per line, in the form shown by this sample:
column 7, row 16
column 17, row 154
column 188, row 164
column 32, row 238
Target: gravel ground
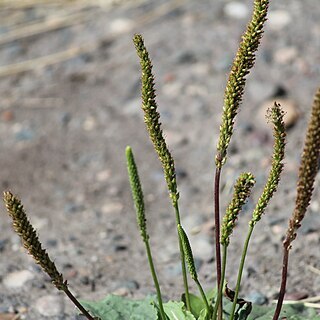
column 65, row 126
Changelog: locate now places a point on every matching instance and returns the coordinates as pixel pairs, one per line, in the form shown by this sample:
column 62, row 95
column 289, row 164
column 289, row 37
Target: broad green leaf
column 290, row 312
column 177, row 311
column 196, row 304
column 119, row 308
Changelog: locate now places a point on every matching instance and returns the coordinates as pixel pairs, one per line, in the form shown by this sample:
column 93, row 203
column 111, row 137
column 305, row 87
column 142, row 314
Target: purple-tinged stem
column 285, row 262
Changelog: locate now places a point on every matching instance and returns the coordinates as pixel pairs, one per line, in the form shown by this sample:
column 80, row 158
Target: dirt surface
column 65, row 124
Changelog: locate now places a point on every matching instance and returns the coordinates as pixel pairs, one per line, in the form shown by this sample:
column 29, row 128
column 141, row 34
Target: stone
column 50, row 306
column 121, row 25
column 18, row 279
column 89, row 123
column 185, row 57
column 112, row 207
column 103, row 176
column 236, row 10
column 7, row 316
column 278, row 19
column 25, row 134
column 285, row 55
column 7, row 115
column 201, row 247
column 257, row 298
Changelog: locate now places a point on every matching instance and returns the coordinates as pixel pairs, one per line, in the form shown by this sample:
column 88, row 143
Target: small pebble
column 89, row 123
column 103, row 176
column 3, row 243
column 236, row 10
column 112, row 207
column 185, row 57
column 285, row 55
column 201, row 247
column 257, row 298
column 7, row 316
column 65, row 118
column 278, row 19
column 50, row 306
column 7, row 115
column 18, row 279
column 25, row 135
column 123, row 292
column 130, row 284
column 51, row 243
column 121, row 25
column 296, row 296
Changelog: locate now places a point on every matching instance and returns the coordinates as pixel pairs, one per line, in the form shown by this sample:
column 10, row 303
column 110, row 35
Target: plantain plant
column 220, row 302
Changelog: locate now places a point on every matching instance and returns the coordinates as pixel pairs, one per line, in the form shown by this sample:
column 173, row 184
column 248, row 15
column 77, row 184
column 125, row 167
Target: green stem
column 155, row 280
column 217, row 230
column 220, row 289
column 204, row 298
column 182, row 258
column 243, row 258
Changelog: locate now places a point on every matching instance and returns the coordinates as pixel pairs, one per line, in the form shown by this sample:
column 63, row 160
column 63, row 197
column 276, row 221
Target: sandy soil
column 65, row 126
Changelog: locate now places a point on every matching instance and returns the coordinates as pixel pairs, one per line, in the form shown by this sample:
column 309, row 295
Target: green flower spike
column 242, row 190
column 30, row 241
column 191, row 265
column 152, row 117
column 152, row 121
column 275, row 115
column 137, row 196
column 243, row 62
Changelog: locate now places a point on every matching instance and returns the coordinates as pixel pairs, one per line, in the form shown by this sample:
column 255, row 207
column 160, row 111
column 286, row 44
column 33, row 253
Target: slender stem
column 155, row 280
column 243, row 258
column 204, row 298
column 285, row 262
column 220, row 290
column 77, row 304
column 217, row 230
column 182, row 258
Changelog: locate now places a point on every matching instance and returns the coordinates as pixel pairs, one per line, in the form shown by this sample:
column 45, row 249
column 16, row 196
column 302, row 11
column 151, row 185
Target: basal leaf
column 289, row 312
column 196, row 304
column 177, row 311
column 119, row 308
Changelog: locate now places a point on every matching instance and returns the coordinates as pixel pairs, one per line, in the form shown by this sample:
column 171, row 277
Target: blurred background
column 70, row 103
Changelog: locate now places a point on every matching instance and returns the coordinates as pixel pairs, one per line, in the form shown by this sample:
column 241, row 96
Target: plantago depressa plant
column 221, row 302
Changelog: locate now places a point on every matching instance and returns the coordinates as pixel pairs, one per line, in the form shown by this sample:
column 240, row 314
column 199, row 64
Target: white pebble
column 278, row 19
column 121, row 25
column 50, row 306
column 236, row 10
column 285, row 55
column 17, row 279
